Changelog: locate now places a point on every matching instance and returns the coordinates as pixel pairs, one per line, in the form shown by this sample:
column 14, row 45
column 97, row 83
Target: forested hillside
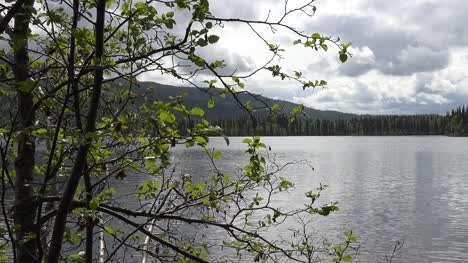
column 235, row 122
column 227, row 108
column 457, row 122
column 228, row 115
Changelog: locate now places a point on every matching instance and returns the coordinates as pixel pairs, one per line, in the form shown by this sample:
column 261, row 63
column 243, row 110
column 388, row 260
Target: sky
column 408, row 57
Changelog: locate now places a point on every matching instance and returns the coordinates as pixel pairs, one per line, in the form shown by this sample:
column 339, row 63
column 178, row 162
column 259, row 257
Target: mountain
column 228, row 108
column 225, row 108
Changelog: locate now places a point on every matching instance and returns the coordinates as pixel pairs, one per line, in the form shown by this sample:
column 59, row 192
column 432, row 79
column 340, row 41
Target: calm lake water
column 410, row 189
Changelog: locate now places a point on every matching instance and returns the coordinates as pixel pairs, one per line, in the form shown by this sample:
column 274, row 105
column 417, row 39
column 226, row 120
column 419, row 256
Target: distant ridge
column 228, row 108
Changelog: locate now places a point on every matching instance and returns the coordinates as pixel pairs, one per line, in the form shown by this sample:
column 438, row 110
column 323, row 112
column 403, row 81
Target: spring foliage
column 70, row 137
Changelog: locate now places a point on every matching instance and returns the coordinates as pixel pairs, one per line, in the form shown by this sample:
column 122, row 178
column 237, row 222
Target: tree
column 69, row 73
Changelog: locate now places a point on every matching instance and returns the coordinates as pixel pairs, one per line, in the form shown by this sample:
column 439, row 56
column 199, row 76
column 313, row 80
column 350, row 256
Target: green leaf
column 296, row 42
column 202, row 42
column 324, row 47
column 316, row 35
column 109, row 3
column 213, row 39
column 93, row 204
column 124, row 7
column 343, row 57
column 299, row 108
column 216, row 154
column 247, row 140
column 197, row 111
column 206, row 201
column 166, row 116
column 218, row 63
column 347, row 258
column 27, row 85
column 198, row 61
column 347, row 45
column 226, row 178
column 211, row 103
column 140, row 5
column 201, row 140
column 39, row 131
column 109, row 230
column 5, row 91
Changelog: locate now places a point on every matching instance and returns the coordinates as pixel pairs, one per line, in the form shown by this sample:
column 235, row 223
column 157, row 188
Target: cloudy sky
column 408, row 56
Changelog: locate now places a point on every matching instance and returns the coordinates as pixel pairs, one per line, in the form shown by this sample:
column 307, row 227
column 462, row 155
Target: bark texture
column 24, row 213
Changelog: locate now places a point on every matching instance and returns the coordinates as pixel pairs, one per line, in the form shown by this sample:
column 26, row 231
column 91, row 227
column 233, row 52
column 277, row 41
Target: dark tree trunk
column 24, row 213
column 80, row 161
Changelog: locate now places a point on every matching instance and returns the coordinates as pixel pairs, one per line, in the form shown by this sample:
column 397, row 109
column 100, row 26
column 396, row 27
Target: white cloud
column 377, row 93
column 408, row 56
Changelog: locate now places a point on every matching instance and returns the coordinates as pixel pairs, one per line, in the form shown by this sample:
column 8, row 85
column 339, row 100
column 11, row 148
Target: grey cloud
column 361, row 63
column 415, row 41
column 455, row 100
column 417, row 59
column 364, row 94
column 388, row 107
column 359, row 97
column 276, row 90
column 319, row 66
column 423, row 83
column 411, row 108
column 439, row 24
column 240, row 8
column 396, row 52
column 248, row 9
column 354, row 70
column 242, row 64
column 420, row 108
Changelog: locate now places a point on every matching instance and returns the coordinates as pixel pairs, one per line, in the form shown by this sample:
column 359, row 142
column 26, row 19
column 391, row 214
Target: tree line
column 454, row 123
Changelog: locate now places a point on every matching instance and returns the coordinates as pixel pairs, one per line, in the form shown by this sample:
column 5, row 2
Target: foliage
column 73, row 136
column 457, row 122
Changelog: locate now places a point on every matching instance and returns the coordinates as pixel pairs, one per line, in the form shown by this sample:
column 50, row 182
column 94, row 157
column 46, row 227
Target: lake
column 410, row 189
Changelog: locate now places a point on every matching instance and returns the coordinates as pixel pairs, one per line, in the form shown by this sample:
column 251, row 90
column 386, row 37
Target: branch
column 152, row 236
column 11, row 13
column 80, row 163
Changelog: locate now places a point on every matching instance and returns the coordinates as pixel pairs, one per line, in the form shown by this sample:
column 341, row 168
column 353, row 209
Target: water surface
column 411, row 189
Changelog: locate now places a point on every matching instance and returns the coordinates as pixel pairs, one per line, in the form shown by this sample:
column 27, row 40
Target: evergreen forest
column 454, row 123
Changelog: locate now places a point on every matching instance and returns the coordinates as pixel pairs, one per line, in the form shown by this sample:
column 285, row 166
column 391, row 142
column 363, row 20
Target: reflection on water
column 411, row 189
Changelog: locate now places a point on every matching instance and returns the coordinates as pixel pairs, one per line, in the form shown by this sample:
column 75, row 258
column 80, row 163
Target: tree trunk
column 24, row 214
column 80, row 161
